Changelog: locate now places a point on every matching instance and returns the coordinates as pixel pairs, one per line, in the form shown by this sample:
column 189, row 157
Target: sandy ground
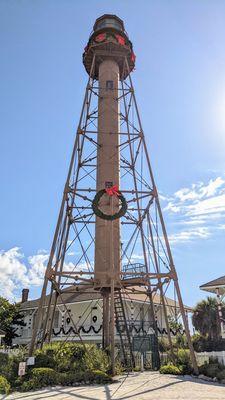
column 140, row 386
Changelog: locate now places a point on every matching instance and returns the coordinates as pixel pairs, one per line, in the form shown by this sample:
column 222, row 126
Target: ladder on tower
column 123, row 331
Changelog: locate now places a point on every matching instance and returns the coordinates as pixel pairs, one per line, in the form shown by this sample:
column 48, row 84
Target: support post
column 106, row 319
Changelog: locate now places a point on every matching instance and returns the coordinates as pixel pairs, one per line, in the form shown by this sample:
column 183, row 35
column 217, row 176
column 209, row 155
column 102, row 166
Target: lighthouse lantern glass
column 109, row 23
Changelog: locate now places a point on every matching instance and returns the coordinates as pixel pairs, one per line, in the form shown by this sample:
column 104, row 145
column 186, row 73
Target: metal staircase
column 123, row 331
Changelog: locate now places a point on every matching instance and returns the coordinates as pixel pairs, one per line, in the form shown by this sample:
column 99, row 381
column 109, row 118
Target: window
column 109, row 23
column 109, row 85
column 142, row 316
column 56, row 319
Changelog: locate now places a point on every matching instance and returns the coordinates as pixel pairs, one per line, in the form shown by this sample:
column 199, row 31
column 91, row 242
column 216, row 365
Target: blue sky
column 180, row 87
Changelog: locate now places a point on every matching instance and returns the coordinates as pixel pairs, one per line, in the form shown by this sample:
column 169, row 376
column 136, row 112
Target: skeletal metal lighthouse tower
column 110, row 216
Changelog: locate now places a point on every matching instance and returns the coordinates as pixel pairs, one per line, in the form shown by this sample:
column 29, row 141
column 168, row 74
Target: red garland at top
column 101, row 37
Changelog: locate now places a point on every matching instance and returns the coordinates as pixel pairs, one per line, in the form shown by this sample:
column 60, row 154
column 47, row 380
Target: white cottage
column 83, row 311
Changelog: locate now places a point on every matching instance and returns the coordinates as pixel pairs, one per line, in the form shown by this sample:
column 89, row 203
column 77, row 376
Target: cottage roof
column 215, row 285
column 133, row 294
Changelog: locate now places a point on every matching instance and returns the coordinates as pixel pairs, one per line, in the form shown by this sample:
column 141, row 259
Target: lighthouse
column 110, row 219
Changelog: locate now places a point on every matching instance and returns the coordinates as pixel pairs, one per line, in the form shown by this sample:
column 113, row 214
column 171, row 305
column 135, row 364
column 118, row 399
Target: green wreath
column 100, row 214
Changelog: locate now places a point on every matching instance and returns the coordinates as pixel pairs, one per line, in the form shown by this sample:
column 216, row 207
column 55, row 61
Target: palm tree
column 205, row 318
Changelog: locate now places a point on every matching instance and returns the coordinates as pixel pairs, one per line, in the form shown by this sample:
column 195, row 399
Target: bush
column 96, row 359
column 42, row 377
column 170, row 369
column 32, row 384
column 70, row 378
column 9, row 365
column 221, row 375
column 57, row 363
column 45, row 376
column 163, row 345
column 4, row 385
column 181, row 341
column 213, row 369
column 202, row 343
column 4, row 359
column 184, row 361
column 45, row 358
column 97, row 376
column 72, row 357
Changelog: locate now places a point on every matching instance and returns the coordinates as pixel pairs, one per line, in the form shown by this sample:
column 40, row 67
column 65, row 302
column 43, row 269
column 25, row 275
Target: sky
column 180, row 87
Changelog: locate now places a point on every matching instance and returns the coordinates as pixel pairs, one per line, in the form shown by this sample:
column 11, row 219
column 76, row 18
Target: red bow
column 112, row 191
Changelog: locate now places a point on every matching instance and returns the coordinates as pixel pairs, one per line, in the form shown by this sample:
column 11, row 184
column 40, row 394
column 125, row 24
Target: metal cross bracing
column 143, row 234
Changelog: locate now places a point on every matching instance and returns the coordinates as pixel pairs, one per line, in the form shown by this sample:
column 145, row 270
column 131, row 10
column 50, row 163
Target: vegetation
column 10, row 318
column 202, row 343
column 205, row 318
column 4, row 385
column 58, row 363
column 65, row 357
column 213, row 369
column 174, row 324
column 9, row 365
column 170, row 369
column 184, row 361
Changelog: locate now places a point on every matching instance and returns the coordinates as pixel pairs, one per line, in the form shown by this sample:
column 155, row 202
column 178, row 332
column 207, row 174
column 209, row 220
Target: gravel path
column 139, row 386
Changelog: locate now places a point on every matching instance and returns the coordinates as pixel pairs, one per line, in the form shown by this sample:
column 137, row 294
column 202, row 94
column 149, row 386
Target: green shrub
column 119, row 369
column 98, row 377
column 32, row 384
column 10, row 369
column 181, row 341
column 72, row 357
column 202, row 343
column 170, row 369
column 57, row 363
column 4, row 360
column 41, row 377
column 96, row 359
column 221, row 375
column 163, row 345
column 184, row 361
column 211, row 369
column 70, row 378
column 44, row 358
column 4, row 385
column 45, row 376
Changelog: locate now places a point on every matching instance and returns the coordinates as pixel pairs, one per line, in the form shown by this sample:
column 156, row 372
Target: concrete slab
column 135, row 386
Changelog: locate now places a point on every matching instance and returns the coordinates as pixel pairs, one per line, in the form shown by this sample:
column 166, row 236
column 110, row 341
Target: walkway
column 137, row 386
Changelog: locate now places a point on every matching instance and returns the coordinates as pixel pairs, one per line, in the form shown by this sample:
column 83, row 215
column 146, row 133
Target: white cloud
column 37, row 268
column 15, row 273
column 197, row 213
column 189, row 235
column 200, row 190
column 201, row 207
column 213, row 205
column 12, row 271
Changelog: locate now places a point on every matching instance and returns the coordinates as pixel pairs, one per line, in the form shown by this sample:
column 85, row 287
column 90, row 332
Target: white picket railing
column 205, row 355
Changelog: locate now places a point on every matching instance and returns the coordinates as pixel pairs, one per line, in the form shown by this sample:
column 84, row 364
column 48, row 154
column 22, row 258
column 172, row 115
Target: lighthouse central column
column 107, row 234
